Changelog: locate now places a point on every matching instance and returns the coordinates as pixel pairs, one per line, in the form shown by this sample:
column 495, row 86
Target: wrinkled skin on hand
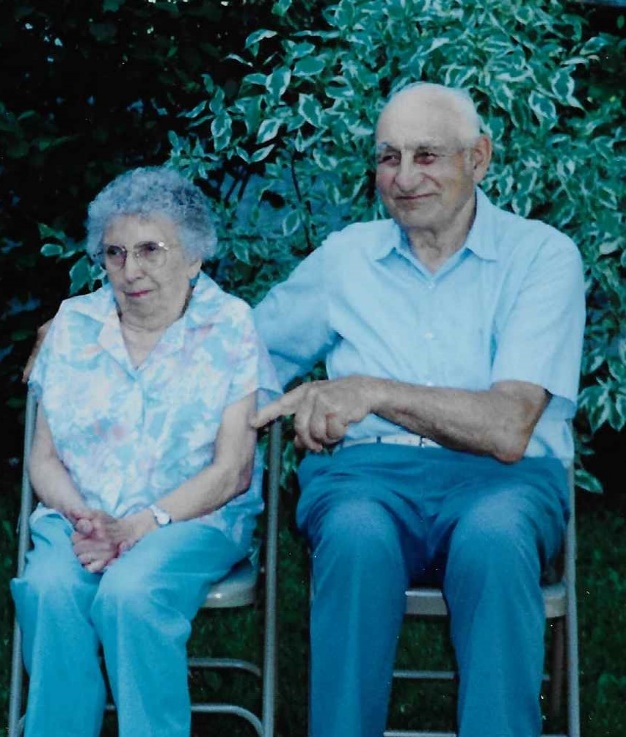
column 322, row 410
column 99, row 539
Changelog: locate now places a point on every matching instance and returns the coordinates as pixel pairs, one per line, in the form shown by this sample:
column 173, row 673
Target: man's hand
column 41, row 334
column 322, row 410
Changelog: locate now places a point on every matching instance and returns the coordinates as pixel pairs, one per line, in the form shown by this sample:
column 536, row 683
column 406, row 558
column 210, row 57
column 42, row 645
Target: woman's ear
column 193, row 271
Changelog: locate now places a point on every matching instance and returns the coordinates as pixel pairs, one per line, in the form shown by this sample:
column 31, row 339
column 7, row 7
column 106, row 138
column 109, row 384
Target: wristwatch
column 161, row 517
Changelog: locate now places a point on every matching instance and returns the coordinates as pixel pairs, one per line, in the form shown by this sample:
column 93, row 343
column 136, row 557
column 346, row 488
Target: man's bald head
column 454, row 105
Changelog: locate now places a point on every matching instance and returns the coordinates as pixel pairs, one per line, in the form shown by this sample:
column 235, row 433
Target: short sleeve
column 293, row 319
column 542, row 338
column 252, row 370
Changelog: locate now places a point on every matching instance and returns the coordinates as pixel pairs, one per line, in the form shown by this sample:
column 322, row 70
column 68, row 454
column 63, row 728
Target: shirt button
column 429, row 335
column 431, row 285
column 429, row 383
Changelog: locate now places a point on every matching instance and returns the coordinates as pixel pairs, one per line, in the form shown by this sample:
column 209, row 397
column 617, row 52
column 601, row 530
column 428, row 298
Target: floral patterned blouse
column 129, row 436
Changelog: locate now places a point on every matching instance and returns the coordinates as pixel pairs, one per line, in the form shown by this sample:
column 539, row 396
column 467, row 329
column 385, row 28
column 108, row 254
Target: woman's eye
column 114, row 251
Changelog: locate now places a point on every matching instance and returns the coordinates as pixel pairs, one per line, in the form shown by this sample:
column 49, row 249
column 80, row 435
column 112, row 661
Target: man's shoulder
column 510, row 229
column 365, row 237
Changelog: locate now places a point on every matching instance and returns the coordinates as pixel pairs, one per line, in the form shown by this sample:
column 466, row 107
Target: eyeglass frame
column 101, row 255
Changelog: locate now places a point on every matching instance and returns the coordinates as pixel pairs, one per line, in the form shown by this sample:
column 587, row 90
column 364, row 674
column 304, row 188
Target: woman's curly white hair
column 155, row 191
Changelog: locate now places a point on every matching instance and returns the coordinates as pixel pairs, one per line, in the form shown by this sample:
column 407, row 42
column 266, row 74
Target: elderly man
column 452, row 337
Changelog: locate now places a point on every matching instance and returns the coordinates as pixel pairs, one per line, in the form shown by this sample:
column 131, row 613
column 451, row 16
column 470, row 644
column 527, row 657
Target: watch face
column 160, row 515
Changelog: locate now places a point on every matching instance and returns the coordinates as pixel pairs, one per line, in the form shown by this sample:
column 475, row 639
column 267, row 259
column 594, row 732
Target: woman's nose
column 132, row 266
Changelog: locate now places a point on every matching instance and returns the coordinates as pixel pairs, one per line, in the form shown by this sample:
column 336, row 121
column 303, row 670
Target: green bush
column 292, row 150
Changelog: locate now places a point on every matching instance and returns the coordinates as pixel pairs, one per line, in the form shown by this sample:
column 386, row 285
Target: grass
column 602, row 633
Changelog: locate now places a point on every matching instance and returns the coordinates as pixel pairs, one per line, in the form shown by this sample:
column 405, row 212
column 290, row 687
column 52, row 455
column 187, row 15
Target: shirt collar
column 203, row 311
column 480, row 239
column 204, row 305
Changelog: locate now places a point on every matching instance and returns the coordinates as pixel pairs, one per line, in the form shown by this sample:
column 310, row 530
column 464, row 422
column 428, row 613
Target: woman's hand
column 99, row 538
column 94, row 555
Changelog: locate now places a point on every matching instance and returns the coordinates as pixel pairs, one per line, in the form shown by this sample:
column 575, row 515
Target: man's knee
column 488, row 543
column 360, row 534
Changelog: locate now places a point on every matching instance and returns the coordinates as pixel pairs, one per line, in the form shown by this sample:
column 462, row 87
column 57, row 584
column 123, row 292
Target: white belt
column 418, row 441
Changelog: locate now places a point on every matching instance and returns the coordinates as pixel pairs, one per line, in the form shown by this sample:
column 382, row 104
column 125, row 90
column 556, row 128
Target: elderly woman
column 144, row 464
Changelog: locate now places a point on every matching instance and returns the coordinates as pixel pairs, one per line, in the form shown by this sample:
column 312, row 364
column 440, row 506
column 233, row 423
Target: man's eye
column 388, row 158
column 426, row 157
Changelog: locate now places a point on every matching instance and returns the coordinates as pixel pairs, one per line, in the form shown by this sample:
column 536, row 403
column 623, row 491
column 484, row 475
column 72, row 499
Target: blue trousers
column 378, row 517
column 138, row 613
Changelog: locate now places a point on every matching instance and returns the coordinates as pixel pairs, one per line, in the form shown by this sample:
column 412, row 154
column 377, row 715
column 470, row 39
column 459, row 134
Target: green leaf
column 268, row 130
column 302, row 49
column 221, row 130
column 280, row 7
column 563, row 86
column 80, row 275
column 112, row 5
column 291, row 223
column 588, row 482
column 309, row 66
column 257, row 36
column 608, row 247
column 594, row 45
column 544, row 109
column 310, row 109
column 277, row 82
column 51, row 249
column 250, row 108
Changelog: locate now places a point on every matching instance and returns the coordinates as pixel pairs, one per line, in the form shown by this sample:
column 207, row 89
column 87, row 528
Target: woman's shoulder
column 96, row 305
column 211, row 304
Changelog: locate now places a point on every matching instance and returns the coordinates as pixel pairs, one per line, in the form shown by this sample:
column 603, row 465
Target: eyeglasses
column 149, row 254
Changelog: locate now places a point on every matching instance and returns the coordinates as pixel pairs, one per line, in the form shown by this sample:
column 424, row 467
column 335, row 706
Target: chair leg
column 558, row 667
column 17, row 678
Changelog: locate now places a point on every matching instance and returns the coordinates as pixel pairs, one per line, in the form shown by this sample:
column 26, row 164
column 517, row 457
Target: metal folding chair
column 240, row 588
column 561, row 613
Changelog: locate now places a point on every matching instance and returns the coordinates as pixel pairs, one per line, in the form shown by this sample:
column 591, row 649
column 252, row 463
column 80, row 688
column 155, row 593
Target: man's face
column 427, row 162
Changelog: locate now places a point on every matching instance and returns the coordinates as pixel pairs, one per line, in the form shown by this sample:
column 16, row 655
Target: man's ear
column 481, row 157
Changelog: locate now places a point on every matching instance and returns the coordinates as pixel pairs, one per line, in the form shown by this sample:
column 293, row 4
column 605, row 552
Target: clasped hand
column 99, row 539
column 322, row 410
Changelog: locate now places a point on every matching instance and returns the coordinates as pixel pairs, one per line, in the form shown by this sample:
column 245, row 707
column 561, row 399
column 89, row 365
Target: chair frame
column 238, row 589
column 561, row 613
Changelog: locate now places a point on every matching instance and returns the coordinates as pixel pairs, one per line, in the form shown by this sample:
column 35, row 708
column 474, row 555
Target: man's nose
column 409, row 175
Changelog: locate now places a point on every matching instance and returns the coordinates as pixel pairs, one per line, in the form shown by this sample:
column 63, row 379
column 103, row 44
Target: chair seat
column 238, row 587
column 429, row 602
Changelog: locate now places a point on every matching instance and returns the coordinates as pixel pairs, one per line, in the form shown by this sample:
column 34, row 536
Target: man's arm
column 497, row 422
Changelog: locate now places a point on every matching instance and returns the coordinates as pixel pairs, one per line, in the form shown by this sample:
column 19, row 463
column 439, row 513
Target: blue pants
column 138, row 612
column 380, row 517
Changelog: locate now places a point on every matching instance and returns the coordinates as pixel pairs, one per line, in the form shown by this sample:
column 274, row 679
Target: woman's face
column 154, row 294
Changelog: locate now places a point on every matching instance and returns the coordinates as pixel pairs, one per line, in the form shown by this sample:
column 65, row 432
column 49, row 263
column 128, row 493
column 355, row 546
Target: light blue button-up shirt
column 509, row 305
